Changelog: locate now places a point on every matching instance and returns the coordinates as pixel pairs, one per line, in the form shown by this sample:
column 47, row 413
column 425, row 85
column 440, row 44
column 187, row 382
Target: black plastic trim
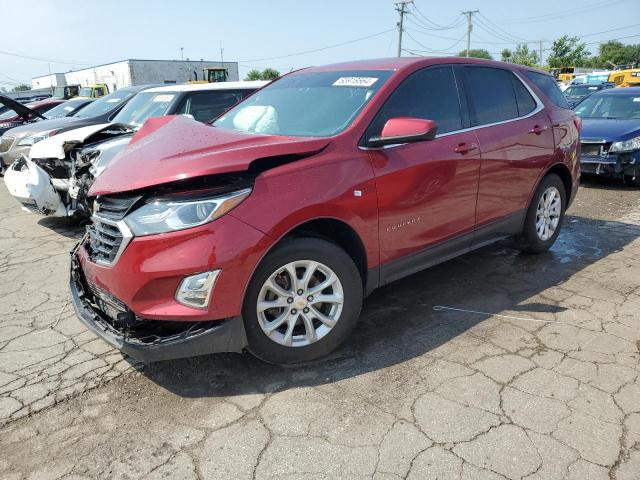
column 448, row 249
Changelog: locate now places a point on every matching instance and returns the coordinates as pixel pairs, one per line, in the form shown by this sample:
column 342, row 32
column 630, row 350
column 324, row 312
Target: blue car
column 611, row 134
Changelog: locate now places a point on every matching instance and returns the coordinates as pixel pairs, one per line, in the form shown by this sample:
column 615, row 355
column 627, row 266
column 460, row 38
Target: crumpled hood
column 610, row 130
column 19, row 108
column 53, row 147
column 172, row 148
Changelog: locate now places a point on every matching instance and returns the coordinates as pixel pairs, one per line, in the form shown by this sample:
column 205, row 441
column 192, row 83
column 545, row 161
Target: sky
column 62, row 35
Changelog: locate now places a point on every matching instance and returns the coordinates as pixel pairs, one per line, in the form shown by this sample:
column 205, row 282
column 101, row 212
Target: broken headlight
column 33, row 139
column 168, row 215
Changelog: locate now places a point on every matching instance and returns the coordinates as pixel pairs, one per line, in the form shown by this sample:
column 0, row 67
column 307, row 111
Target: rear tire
column 544, row 217
column 299, row 327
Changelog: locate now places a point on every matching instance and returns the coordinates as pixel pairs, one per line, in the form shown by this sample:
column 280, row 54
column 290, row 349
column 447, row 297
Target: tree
column 522, row 55
column 21, row 88
column 270, row 74
column 476, row 53
column 566, row 51
column 253, row 75
column 266, row 74
column 617, row 53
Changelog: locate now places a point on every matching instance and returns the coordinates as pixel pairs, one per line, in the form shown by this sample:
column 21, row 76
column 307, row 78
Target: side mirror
column 405, row 130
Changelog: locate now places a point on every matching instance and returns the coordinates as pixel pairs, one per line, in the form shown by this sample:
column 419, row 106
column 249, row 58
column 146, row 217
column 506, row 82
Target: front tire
column 302, row 302
column 544, row 216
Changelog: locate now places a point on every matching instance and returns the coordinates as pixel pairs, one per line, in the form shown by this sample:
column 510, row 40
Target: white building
column 135, row 72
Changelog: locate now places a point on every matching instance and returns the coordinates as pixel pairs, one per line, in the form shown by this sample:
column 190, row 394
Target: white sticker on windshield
column 163, row 98
column 113, row 100
column 355, row 81
column 68, row 109
column 636, row 99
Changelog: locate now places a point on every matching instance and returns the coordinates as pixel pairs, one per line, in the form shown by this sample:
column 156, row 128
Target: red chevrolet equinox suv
column 266, row 229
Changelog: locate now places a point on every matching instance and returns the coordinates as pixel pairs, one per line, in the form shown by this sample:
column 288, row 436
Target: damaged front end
column 147, row 340
column 56, row 178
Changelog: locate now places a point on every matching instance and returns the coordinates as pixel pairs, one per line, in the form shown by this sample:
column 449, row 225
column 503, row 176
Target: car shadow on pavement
column 399, row 322
column 67, row 227
column 603, row 183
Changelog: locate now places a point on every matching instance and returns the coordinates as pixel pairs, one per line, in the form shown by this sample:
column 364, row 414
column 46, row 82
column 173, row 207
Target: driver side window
column 430, row 94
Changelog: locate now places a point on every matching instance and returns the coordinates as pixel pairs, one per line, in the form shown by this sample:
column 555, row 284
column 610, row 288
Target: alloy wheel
column 548, row 213
column 300, row 303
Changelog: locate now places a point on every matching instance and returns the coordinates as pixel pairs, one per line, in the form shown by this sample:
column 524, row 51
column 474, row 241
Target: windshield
column 315, row 104
column 8, row 115
column 616, row 106
column 105, row 104
column 143, row 106
column 65, row 109
column 580, row 91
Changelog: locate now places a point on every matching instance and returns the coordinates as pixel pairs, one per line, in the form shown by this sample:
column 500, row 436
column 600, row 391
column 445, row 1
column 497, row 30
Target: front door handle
column 538, row 129
column 465, row 148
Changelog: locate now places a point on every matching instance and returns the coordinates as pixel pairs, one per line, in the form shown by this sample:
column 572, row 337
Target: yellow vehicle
column 626, row 78
column 212, row 75
column 94, row 91
column 563, row 74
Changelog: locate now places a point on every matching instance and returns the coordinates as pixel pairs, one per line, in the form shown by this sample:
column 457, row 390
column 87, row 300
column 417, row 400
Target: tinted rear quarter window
column 493, row 98
column 549, row 87
column 526, row 103
column 430, row 93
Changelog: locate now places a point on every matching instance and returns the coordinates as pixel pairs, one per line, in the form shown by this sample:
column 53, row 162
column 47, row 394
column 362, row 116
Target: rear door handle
column 465, row 148
column 538, row 129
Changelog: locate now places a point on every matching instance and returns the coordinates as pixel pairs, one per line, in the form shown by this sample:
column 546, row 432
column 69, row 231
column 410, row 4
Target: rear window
column 492, row 94
column 526, row 103
column 549, row 87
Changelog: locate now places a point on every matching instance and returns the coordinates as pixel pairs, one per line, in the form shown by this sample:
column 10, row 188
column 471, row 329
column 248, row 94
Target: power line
column 456, row 23
column 319, row 49
column 500, row 29
column 41, row 59
column 563, row 13
column 444, row 50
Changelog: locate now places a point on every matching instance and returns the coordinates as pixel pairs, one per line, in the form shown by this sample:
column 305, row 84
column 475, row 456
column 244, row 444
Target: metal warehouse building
column 135, row 72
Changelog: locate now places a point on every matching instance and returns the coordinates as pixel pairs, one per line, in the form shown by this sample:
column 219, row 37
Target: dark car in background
column 611, row 134
column 18, row 114
column 18, row 141
column 575, row 93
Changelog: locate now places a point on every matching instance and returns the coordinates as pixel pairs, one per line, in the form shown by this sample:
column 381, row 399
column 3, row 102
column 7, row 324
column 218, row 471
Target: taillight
column 577, row 121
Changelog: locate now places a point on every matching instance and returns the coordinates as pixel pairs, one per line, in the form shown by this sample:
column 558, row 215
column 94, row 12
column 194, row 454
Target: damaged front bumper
column 34, row 189
column 149, row 340
column 613, row 165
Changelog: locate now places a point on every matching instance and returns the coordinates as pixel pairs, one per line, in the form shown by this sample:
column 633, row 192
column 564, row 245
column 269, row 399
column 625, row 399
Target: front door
column 427, row 190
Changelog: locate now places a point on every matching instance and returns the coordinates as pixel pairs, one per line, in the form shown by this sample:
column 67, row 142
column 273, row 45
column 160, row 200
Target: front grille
column 105, row 296
column 105, row 241
column 6, row 143
column 115, row 208
column 595, row 149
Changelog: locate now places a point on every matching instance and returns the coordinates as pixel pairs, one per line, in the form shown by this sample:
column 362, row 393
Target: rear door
column 516, row 143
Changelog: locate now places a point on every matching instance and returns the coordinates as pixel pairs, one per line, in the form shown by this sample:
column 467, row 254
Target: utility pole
column 540, row 59
column 469, row 15
column 400, row 8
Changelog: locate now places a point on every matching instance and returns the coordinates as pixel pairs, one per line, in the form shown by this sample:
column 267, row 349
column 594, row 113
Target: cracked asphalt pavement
column 531, row 371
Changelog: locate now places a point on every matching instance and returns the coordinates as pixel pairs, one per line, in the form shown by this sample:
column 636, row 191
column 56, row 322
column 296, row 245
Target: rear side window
column 430, row 94
column 493, row 98
column 206, row 106
column 526, row 103
column 549, row 87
